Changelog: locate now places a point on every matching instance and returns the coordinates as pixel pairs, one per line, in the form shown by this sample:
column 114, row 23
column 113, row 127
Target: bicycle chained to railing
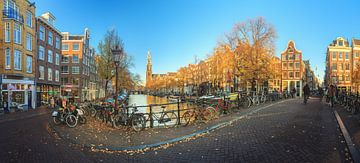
column 166, row 118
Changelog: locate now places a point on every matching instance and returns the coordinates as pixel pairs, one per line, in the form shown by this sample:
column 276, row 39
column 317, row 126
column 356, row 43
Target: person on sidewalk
column 331, row 94
column 293, row 93
column 306, row 90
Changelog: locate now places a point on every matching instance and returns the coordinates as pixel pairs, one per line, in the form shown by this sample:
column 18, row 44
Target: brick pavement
column 287, row 132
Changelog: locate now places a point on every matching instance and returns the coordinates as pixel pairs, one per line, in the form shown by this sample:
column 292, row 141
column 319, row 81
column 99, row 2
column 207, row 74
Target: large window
column 291, row 65
column 65, row 59
column 50, row 56
column 75, row 46
column 341, row 43
column 65, row 69
column 28, row 64
column 341, row 65
column 41, row 52
column 17, row 33
column 357, row 54
column 334, row 66
column 297, row 74
column 57, row 75
column 42, row 33
column 75, row 70
column 75, row 58
column 333, row 55
column 297, row 65
column 50, row 74
column 347, row 55
column 284, row 66
column 340, row 55
column 29, row 18
column 7, row 32
column 65, row 46
column 50, row 38
column 7, row 58
column 57, row 43
column 291, row 74
column 28, row 41
column 347, row 66
column 57, row 59
column 64, row 81
column 17, row 60
column 41, row 72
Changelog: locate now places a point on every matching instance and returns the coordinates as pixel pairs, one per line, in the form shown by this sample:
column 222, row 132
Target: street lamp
column 116, row 54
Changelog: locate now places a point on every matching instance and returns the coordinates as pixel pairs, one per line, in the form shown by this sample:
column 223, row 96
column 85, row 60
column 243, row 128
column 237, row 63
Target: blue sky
column 176, row 30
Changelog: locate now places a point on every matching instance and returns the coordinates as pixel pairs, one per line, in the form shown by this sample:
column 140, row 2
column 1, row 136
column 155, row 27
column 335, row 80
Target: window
column 297, row 74
column 334, row 66
column 29, row 18
column 64, row 81
column 341, row 43
column 42, row 33
column 356, row 64
column 41, row 72
column 340, row 55
column 291, row 65
column 75, row 70
column 41, row 52
column 340, row 78
column 28, row 42
column 7, row 32
column 347, row 78
column 57, row 43
column 75, row 81
column 17, row 60
column 297, row 65
column 297, row 57
column 17, row 33
column 333, row 55
column 50, row 38
column 57, row 75
column 57, row 59
column 347, row 66
column 64, row 69
column 347, row 55
column 65, row 46
column 284, row 65
column 75, row 58
column 291, row 74
column 341, row 66
column 7, row 58
column 28, row 64
column 50, row 56
column 357, row 54
column 285, row 75
column 65, row 59
column 75, row 46
column 50, row 74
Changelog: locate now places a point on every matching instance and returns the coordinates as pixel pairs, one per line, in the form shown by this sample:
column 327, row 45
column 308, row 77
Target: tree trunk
column 106, row 85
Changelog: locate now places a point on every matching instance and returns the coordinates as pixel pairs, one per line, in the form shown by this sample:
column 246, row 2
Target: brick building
column 48, row 58
column 18, row 46
column 75, row 66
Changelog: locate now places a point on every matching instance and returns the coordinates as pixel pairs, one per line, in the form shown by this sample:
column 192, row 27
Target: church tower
column 148, row 70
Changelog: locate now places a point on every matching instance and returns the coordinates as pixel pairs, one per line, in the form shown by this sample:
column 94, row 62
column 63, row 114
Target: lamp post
column 116, row 54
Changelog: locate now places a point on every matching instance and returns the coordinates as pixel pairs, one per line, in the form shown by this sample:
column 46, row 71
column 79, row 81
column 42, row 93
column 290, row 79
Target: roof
column 356, row 41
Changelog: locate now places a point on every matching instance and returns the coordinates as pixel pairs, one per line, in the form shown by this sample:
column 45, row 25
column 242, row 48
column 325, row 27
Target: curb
column 353, row 151
column 171, row 141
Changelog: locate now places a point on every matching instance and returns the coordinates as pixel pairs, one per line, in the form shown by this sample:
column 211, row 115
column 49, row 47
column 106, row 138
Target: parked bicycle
column 167, row 118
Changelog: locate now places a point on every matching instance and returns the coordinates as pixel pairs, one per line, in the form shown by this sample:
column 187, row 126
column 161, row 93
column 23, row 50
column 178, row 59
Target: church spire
column 149, row 57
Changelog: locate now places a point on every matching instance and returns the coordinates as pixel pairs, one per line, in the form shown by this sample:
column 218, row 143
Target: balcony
column 10, row 13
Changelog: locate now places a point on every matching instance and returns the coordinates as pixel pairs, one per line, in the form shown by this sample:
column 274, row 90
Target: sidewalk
column 97, row 135
column 25, row 114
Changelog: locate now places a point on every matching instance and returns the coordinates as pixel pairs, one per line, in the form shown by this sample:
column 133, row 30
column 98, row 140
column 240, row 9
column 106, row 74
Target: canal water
column 143, row 102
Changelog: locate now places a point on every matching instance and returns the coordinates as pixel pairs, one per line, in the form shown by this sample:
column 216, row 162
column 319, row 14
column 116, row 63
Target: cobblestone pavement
column 286, row 132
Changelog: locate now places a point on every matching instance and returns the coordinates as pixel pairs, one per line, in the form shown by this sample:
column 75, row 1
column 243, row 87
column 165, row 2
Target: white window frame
column 74, row 68
column 57, row 59
column 7, row 32
column 57, row 75
column 73, row 58
column 28, row 64
column 65, row 44
column 42, row 33
column 17, row 59
column 7, row 58
column 67, row 70
column 17, row 33
column 29, row 19
column 50, row 38
column 28, row 41
column 50, row 74
column 41, row 51
column 50, row 56
column 72, row 47
column 41, row 72
column 57, row 42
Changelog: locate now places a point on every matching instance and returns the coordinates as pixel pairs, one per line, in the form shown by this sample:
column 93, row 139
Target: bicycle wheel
column 57, row 120
column 71, row 121
column 214, row 113
column 249, row 102
column 117, row 121
column 205, row 115
column 186, row 118
column 170, row 119
column 138, row 122
column 92, row 112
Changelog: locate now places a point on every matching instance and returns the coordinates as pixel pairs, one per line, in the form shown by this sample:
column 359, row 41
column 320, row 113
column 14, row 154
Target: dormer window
column 341, row 43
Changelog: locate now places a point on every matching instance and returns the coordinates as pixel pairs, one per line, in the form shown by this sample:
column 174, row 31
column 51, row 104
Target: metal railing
column 11, row 13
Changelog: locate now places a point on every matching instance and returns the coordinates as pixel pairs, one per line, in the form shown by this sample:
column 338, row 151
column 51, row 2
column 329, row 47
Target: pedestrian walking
column 293, row 92
column 331, row 94
column 306, row 90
